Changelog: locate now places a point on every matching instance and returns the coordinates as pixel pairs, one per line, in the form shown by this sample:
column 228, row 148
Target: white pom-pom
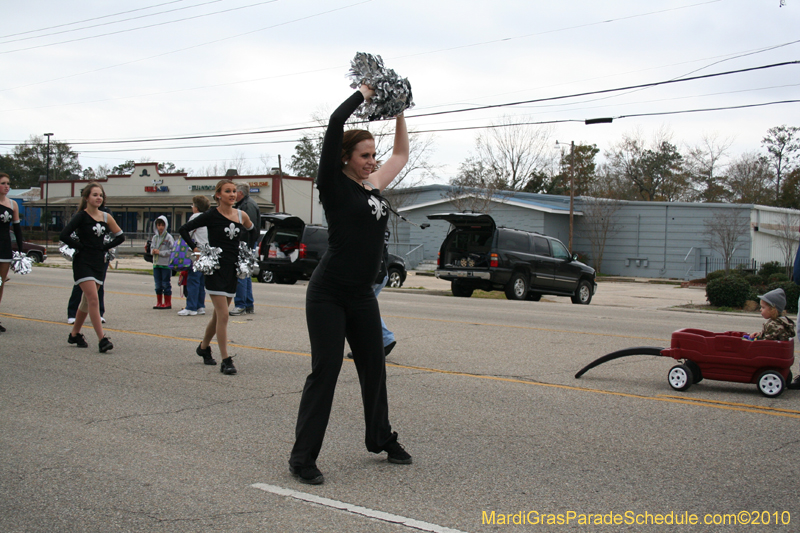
column 247, row 261
column 21, row 263
column 208, row 261
column 392, row 93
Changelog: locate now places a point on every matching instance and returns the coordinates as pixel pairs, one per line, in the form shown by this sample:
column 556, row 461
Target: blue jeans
column 162, row 277
column 75, row 300
column 195, row 290
column 388, row 336
column 244, row 293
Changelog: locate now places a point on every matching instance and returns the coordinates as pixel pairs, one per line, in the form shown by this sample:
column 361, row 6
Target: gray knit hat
column 776, row 298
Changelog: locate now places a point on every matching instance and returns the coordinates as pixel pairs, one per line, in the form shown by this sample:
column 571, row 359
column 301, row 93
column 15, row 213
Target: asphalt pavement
column 481, row 391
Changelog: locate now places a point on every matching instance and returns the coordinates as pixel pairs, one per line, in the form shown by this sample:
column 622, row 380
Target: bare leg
column 3, row 275
column 218, row 325
column 89, row 289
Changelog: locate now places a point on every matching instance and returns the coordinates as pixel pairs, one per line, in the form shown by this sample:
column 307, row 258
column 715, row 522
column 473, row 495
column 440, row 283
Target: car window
column 559, row 250
column 315, row 236
column 541, row 246
column 514, row 240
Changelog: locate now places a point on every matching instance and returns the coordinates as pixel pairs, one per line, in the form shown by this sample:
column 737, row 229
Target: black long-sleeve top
column 356, row 216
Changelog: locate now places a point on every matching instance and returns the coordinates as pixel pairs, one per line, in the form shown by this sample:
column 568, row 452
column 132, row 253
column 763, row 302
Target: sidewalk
column 620, row 292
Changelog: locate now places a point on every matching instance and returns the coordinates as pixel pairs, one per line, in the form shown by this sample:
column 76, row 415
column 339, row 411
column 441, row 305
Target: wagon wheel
column 696, row 372
column 680, row 377
column 770, row 383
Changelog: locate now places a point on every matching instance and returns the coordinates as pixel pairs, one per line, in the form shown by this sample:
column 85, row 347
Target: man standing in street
column 243, row 302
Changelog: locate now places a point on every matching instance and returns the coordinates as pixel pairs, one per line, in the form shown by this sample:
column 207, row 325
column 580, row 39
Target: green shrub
column 772, row 267
column 715, row 275
column 777, row 278
column 792, row 291
column 730, row 291
column 754, row 280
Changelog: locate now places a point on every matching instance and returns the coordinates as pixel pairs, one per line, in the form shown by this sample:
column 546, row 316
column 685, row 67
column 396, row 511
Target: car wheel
column 461, row 291
column 517, row 288
column 583, row 294
column 266, row 276
column 770, row 383
column 36, row 257
column 680, row 377
column 697, row 374
column 534, row 296
column 395, row 278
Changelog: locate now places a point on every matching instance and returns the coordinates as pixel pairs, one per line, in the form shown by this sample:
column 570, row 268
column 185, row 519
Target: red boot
column 167, row 301
column 160, row 304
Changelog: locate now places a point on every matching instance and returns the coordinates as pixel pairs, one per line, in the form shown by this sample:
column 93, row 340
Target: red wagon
column 719, row 356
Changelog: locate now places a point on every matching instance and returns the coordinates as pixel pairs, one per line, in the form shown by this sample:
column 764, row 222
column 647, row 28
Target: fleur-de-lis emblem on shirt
column 232, row 231
column 6, row 216
column 98, row 229
column 378, row 207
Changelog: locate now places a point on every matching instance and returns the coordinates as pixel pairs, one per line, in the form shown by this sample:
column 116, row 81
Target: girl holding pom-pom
column 91, row 225
column 9, row 218
column 226, row 227
column 340, row 302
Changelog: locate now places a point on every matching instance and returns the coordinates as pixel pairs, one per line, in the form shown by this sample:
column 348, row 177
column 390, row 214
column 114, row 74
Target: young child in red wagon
column 778, row 326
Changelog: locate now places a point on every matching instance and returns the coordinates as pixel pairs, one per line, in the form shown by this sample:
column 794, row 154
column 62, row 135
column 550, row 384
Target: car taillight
column 302, row 249
column 439, row 259
column 493, row 261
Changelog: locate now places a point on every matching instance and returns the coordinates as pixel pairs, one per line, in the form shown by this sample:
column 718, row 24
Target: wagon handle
column 639, row 350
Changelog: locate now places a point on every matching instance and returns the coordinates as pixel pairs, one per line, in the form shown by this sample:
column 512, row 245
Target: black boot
column 226, row 367
column 206, row 354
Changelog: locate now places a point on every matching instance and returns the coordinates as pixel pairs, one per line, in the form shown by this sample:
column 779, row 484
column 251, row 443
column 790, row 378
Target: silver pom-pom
column 67, row 252
column 392, row 93
column 247, row 261
column 21, row 263
column 208, row 261
column 111, row 254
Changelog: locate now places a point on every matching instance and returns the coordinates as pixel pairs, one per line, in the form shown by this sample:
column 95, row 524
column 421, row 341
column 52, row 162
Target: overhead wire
column 108, row 23
column 91, row 19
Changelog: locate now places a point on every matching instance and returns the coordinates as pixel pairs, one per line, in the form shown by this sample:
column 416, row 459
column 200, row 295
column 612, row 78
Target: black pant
column 75, row 300
column 333, row 313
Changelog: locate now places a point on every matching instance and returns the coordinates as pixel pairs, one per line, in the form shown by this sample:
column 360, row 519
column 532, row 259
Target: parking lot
column 481, row 391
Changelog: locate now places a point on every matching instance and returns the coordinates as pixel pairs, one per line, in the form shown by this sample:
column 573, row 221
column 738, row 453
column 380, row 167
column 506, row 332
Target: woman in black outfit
column 91, row 226
column 226, row 227
column 340, row 302
column 9, row 218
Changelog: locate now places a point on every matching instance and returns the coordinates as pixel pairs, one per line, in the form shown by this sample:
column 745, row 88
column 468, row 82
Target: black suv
column 476, row 254
column 291, row 249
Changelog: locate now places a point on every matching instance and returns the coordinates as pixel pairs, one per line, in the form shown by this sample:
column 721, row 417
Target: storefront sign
column 157, row 187
column 257, row 184
column 254, row 189
column 202, row 187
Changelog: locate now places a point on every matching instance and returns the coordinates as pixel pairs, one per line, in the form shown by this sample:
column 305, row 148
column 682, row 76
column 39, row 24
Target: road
column 147, row 438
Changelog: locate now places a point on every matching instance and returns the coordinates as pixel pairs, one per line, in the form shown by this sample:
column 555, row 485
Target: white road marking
column 356, row 509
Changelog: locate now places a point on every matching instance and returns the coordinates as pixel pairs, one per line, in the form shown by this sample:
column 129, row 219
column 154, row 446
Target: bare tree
column 512, row 153
column 704, row 167
column 238, row 163
column 723, row 229
column 472, row 189
column 599, row 224
column 787, row 238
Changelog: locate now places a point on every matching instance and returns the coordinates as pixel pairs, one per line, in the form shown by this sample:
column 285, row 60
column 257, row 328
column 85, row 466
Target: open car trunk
column 469, row 241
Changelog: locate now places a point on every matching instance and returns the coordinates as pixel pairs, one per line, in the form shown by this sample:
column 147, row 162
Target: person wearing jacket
column 195, row 281
column 243, row 301
column 162, row 245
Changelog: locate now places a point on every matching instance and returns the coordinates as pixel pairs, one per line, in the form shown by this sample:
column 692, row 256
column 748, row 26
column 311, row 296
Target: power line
column 492, row 106
column 90, row 19
column 107, row 23
column 463, row 128
column 148, row 26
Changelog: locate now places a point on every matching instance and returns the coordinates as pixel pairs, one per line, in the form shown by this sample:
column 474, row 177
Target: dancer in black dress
column 9, row 218
column 340, row 302
column 227, row 226
column 91, row 226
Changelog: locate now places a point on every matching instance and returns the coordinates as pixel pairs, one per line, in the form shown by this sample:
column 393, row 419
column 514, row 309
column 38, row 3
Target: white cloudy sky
column 103, row 70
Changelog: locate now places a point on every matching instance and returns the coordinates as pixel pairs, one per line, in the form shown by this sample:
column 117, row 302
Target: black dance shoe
column 105, row 345
column 206, row 354
column 78, row 339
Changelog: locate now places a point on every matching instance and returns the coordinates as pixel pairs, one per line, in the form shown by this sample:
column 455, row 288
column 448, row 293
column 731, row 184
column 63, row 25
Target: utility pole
column 571, row 190
column 280, row 181
column 47, row 195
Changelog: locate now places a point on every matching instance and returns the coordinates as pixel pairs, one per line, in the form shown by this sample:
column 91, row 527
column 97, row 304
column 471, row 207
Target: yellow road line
column 697, row 402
